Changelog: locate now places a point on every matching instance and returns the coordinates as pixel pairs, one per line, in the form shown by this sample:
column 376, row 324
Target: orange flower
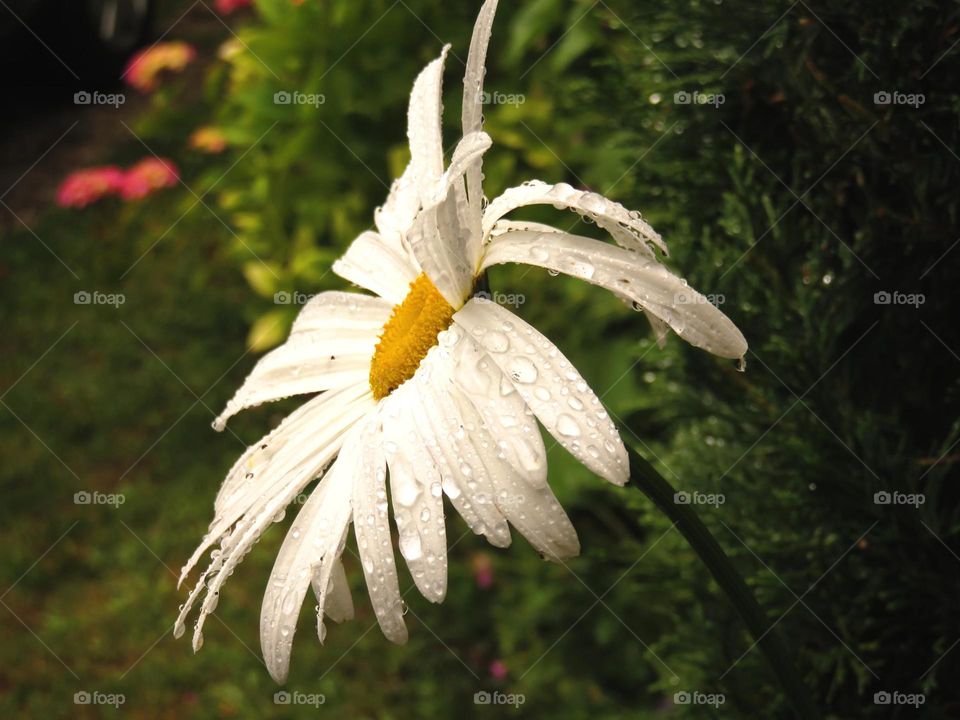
column 144, row 69
column 208, row 139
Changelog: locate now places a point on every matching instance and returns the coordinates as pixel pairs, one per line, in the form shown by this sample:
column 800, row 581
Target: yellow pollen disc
column 408, row 335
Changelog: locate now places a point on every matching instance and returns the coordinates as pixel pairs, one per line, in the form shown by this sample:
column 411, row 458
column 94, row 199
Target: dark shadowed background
column 800, row 160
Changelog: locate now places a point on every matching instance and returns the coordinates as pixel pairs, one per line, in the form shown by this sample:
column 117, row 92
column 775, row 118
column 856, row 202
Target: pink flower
column 482, row 570
column 82, row 187
column 498, row 669
column 144, row 69
column 225, row 7
column 208, row 139
column 146, row 176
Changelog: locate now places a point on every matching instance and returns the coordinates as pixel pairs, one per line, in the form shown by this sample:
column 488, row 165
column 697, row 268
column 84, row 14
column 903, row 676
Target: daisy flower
column 425, row 384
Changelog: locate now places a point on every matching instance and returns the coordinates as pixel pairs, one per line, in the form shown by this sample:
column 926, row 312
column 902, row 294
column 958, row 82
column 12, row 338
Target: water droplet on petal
column 522, row 370
column 567, row 426
column 496, row 341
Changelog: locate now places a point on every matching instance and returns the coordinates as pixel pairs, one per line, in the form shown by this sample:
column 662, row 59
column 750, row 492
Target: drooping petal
column 371, row 524
column 550, row 385
column 627, row 228
column 309, row 553
column 660, row 328
column 502, row 408
column 648, row 283
column 329, row 347
column 339, row 603
column 415, row 489
column 532, row 509
column 276, row 477
column 378, row 266
column 440, row 426
column 261, row 470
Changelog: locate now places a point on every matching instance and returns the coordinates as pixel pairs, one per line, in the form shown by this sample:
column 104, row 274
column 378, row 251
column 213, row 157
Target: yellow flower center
column 408, row 335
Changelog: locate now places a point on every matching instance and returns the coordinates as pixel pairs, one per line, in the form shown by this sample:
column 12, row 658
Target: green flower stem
column 654, row 486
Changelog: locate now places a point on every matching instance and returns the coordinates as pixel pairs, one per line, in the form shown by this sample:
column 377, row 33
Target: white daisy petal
column 472, row 110
column 436, row 237
column 625, row 226
column 371, row 524
column 648, row 283
column 416, row 490
column 309, row 552
column 468, row 152
column 550, row 385
column 472, row 121
column 423, row 123
column 329, row 347
column 436, row 241
column 268, row 488
column 505, row 226
column 262, row 469
column 378, row 266
column 339, row 602
column 440, row 426
column 342, row 312
column 502, row 408
column 394, row 218
column 532, row 509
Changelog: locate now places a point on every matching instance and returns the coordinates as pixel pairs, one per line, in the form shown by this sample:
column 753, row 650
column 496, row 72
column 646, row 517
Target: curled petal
column 627, row 228
column 646, row 282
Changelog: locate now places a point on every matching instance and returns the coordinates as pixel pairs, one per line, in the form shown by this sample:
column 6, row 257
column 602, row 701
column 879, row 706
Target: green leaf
column 264, row 277
column 269, row 330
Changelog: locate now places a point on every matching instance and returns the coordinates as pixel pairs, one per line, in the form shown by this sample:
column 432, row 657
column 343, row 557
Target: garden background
column 785, row 188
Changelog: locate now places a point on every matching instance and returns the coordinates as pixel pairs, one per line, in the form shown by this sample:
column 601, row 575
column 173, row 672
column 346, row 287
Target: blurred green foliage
column 797, row 198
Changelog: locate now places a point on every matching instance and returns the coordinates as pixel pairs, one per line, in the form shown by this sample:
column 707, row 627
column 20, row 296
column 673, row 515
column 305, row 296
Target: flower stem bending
column 644, row 477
